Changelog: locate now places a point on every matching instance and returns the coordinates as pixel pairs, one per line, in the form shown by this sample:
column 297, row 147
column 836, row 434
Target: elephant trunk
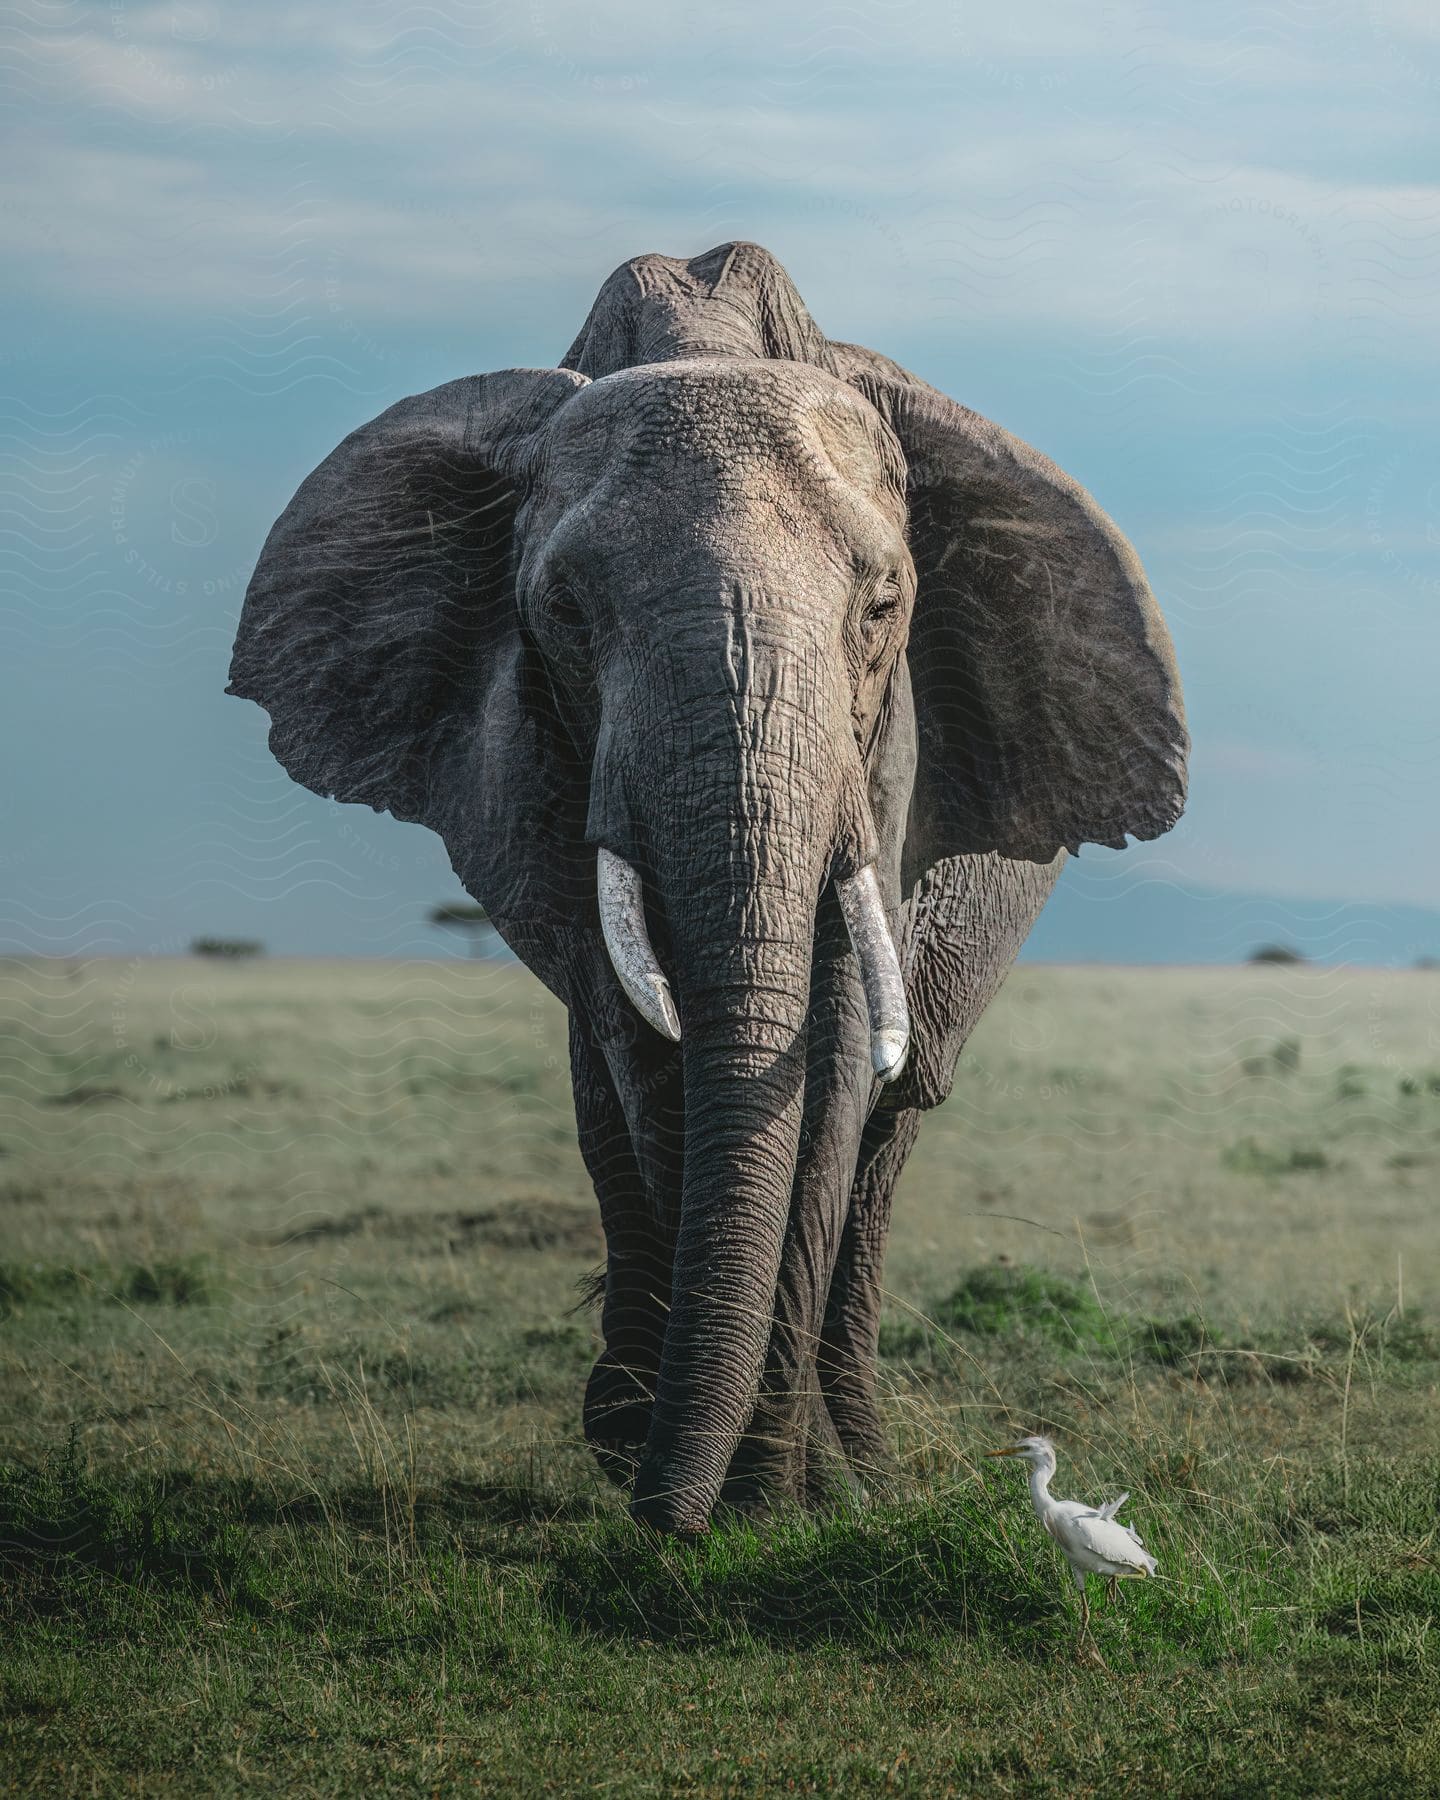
column 744, row 1065
column 741, row 826
column 741, row 954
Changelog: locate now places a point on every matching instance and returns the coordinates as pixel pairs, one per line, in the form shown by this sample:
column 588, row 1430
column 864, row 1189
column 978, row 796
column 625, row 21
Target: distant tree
column 467, row 916
column 1276, row 953
column 234, row 949
column 1428, row 964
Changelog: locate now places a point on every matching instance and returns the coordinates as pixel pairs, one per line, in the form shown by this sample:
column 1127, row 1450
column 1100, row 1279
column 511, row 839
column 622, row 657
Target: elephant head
column 675, row 648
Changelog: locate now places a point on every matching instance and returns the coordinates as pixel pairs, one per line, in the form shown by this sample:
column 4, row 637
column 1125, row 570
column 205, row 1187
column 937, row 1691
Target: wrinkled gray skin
column 750, row 609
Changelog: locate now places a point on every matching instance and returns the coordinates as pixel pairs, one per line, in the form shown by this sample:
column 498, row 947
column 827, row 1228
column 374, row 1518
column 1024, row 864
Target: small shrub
column 1251, row 1157
column 1409, row 1338
column 174, row 1281
column 1284, row 1056
column 1399, row 1337
column 31, row 1284
column 58, row 1523
column 1193, row 1344
column 170, row 1282
column 1000, row 1301
column 1172, row 1341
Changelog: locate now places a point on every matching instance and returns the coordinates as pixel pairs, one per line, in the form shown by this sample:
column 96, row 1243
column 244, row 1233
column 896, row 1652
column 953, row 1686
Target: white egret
column 1092, row 1538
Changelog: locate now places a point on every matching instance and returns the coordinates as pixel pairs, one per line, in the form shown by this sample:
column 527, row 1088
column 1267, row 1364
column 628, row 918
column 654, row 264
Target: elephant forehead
column 729, row 418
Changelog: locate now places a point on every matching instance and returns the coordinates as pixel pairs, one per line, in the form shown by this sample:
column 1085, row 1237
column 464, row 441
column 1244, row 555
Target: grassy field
column 291, row 1361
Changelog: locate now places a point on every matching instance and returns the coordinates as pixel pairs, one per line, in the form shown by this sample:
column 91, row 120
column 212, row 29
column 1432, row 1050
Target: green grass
column 1004, row 1301
column 179, row 1632
column 165, row 1282
column 1251, row 1158
column 1022, row 1306
column 292, row 1496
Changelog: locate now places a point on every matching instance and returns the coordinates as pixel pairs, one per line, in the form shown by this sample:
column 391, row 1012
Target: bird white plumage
column 1093, row 1540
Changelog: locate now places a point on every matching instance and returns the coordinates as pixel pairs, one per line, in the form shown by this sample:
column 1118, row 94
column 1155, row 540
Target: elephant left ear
column 1047, row 700
column 381, row 634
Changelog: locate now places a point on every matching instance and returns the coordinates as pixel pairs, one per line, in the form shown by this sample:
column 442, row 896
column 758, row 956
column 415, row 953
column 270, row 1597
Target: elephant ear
column 380, row 633
column 1047, row 699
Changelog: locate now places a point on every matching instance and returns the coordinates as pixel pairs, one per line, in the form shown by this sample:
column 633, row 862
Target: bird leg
column 1086, row 1649
column 1112, row 1587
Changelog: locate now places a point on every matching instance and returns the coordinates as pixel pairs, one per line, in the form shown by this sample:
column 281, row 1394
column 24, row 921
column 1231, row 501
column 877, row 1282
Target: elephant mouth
column 627, row 939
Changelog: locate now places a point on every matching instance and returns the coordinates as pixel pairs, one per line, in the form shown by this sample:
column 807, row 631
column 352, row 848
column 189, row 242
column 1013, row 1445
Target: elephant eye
column 563, row 610
column 878, row 619
column 563, row 625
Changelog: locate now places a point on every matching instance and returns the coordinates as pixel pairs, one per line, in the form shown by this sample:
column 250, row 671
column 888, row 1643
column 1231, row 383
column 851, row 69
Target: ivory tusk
column 622, row 919
column 879, row 971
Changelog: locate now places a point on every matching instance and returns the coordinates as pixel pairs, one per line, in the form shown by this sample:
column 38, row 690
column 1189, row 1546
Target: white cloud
column 996, row 167
column 428, row 207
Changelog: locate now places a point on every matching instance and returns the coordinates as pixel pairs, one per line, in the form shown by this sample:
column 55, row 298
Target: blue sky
column 1193, row 254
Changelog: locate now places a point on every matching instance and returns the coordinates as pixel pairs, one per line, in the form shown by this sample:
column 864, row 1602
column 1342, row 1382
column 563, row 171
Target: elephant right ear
column 380, row 633
column 1047, row 700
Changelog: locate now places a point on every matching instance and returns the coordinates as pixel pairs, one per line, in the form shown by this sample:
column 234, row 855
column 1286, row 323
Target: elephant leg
column 640, row 1247
column 831, row 1483
column 964, row 928
column 851, row 1334
column 791, row 1454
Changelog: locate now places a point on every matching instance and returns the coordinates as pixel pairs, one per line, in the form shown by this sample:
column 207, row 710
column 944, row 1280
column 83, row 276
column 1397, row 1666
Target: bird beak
column 1012, row 1451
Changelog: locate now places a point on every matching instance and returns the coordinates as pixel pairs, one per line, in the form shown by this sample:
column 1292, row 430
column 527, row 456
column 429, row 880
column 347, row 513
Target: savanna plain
column 293, row 1334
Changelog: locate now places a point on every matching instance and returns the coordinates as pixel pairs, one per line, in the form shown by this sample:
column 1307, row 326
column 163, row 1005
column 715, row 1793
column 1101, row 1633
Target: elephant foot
column 864, row 1442
column 617, row 1418
column 871, row 1462
column 825, row 1484
column 765, row 1479
column 831, row 1484
column 791, row 1460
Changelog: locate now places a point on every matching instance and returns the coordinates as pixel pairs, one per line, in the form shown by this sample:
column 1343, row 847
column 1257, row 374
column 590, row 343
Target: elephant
column 758, row 692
